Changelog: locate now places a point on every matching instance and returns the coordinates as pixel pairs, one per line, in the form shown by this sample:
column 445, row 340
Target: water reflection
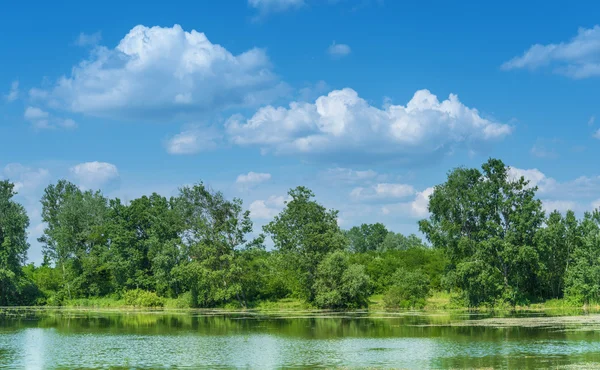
column 78, row 339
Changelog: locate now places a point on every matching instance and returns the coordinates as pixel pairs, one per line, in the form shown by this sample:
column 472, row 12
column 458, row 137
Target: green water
column 69, row 339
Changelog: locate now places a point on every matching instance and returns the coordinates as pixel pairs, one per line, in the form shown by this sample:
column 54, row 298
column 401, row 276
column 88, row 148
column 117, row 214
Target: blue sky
column 368, row 103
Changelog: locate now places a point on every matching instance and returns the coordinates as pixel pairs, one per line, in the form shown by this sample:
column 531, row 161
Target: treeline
column 490, row 243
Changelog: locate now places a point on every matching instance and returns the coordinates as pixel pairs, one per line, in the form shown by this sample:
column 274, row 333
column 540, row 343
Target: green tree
column 486, row 223
column 13, row 245
column 305, row 232
column 366, row 237
column 556, row 243
column 408, row 289
column 397, row 241
column 75, row 238
column 340, row 285
column 214, row 228
column 582, row 278
column 143, row 243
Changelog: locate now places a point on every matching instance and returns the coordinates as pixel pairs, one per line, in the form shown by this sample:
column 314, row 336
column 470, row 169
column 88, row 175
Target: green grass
column 285, row 304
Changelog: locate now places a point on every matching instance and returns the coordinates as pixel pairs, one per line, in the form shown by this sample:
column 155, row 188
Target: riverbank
column 436, row 303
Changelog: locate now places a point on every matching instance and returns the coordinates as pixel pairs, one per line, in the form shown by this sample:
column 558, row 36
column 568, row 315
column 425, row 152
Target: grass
column 438, row 301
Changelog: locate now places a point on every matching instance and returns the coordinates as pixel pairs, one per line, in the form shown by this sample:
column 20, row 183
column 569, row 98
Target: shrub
column 408, row 290
column 339, row 284
column 142, row 298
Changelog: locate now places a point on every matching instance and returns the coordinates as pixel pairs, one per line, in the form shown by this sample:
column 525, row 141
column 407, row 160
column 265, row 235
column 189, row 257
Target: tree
column 213, row 228
column 74, row 238
column 486, row 223
column 397, row 241
column 409, row 289
column 305, row 232
column 13, row 245
column 582, row 278
column 144, row 243
column 366, row 237
column 556, row 243
column 340, row 285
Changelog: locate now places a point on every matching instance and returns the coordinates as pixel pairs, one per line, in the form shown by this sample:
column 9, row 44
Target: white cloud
column 577, row 58
column 342, row 122
column 338, row 50
column 535, row 178
column 596, row 134
column 43, row 120
column 252, row 178
column 34, row 113
column 591, row 120
column 275, row 6
column 417, row 208
column 94, row 174
column 382, row 191
column 267, row 209
column 13, row 93
column 349, row 175
column 596, row 204
column 85, row 39
column 192, row 141
column 558, row 205
column 25, row 179
column 158, row 73
column 420, row 206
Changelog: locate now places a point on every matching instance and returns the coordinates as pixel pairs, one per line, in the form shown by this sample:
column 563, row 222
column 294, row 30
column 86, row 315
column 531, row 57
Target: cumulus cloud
column 535, row 178
column 558, row 205
column 338, row 50
column 417, row 208
column 26, row 179
column 267, row 209
column 13, row 93
column 252, row 178
column 94, row 174
column 162, row 73
column 576, row 58
column 382, row 191
column 342, row 122
column 275, row 6
column 577, row 194
column 192, row 140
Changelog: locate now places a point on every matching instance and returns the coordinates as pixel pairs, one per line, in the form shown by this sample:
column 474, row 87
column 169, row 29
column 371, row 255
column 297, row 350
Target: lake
column 67, row 339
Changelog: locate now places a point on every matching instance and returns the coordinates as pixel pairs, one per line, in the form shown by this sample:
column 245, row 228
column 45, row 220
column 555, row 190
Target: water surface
column 66, row 339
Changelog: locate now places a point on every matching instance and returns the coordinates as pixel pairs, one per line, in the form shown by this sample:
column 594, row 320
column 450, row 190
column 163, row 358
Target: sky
column 369, row 103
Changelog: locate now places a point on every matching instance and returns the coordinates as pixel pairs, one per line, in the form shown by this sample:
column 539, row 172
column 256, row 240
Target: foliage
column 305, row 232
column 490, row 244
column 14, row 287
column 486, row 222
column 340, row 285
column 409, row 289
column 366, row 237
column 142, row 298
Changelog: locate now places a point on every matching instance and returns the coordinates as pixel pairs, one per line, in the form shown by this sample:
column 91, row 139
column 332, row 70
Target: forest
column 487, row 243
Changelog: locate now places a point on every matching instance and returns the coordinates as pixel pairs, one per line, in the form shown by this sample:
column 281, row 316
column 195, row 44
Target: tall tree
column 366, row 237
column 305, row 232
column 214, row 228
column 486, row 223
column 13, row 244
column 556, row 243
column 74, row 237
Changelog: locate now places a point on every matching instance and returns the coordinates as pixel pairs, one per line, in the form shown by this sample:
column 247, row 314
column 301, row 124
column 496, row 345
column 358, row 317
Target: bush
column 408, row 290
column 339, row 284
column 142, row 298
